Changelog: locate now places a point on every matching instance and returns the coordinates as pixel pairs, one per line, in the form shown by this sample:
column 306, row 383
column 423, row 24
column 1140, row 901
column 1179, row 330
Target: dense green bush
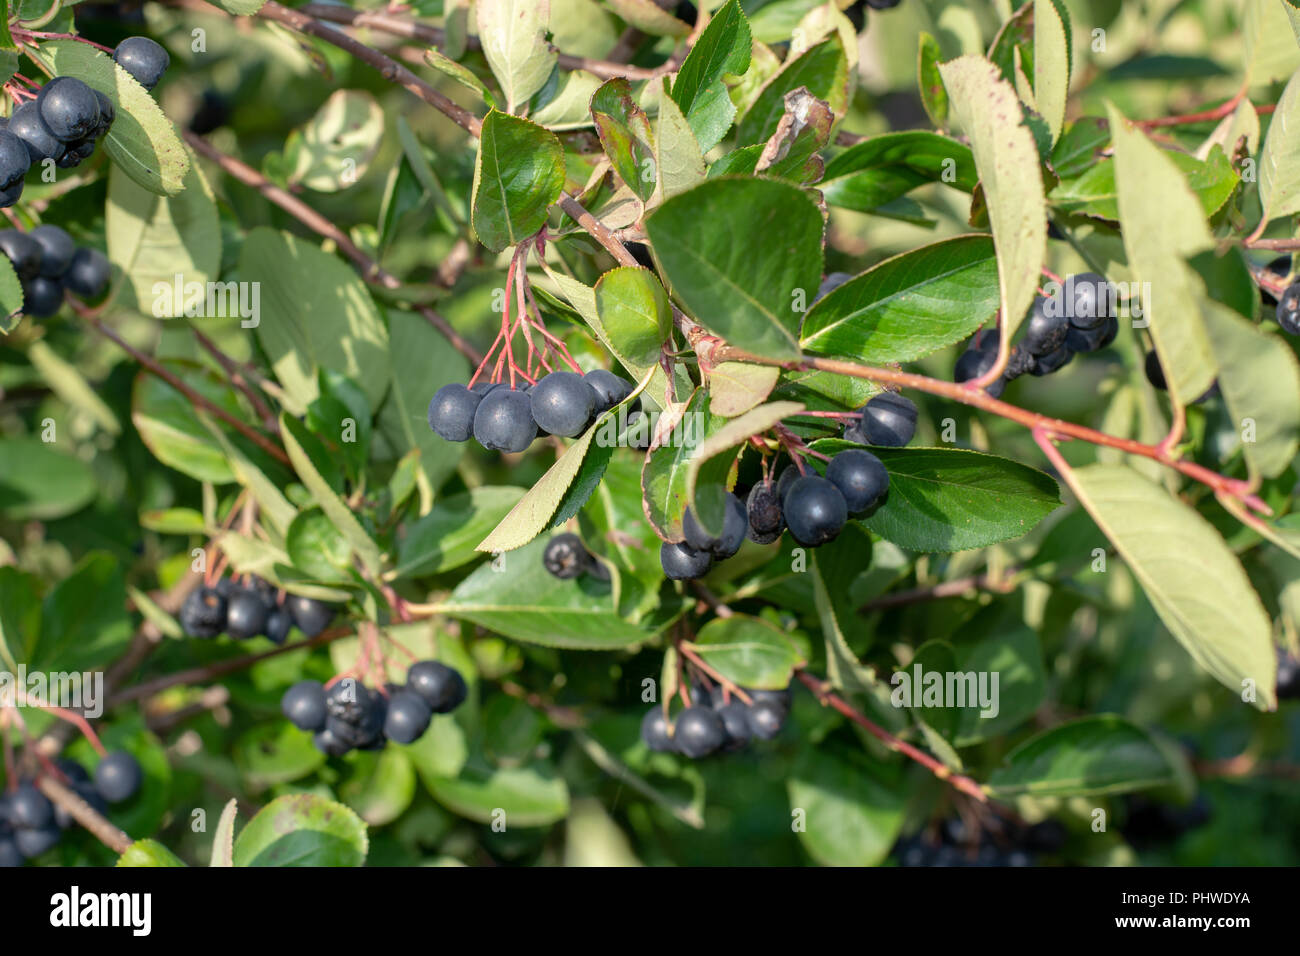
column 222, row 477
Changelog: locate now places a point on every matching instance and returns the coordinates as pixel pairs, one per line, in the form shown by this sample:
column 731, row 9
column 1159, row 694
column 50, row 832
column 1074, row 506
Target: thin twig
column 77, row 808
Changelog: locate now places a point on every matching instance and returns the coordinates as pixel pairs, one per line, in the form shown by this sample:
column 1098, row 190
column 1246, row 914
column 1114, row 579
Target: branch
column 85, row 814
column 829, row 698
column 436, row 36
column 954, row 588
column 371, row 271
column 159, row 370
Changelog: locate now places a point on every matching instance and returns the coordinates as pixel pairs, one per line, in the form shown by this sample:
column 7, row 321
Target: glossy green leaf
column 851, row 817
column 625, row 135
column 908, row 306
column 723, row 48
column 317, row 548
column 40, row 481
column 529, row 796
column 635, row 312
column 1095, row 193
column 148, row 853
column 445, row 538
column 679, row 155
column 934, row 98
column 822, row 70
column 513, row 37
column 1051, row 62
column 882, row 168
column 302, row 830
column 749, row 293
column 336, row 146
column 1095, row 755
column 1279, row 180
column 748, row 651
column 518, row 174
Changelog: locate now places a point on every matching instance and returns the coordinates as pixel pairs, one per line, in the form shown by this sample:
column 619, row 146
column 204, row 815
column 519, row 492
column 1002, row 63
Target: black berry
column 29, row 808
column 562, row 403
column 1088, row 300
column 860, row 477
column 699, row 732
column 42, row 297
column 88, row 273
column 203, row 614
column 608, row 388
column 408, row 717
column 735, row 722
column 566, row 557
column 1052, row 361
column 14, row 159
column 815, row 511
column 1019, row 362
column 118, row 776
column 311, row 616
column 655, row 731
column 1288, row 309
column 1047, row 326
column 303, row 705
column 57, row 250
column 504, row 421
column 1288, row 676
column 69, row 108
column 107, row 113
column 245, row 614
column 888, row 419
column 451, row 411
column 1155, row 372
column 143, row 59
column 27, row 125
column 725, row 544
column 32, row 843
column 766, row 718
column 22, row 251
column 327, row 743
column 681, row 562
column 441, row 686
column 278, row 623
column 763, row 509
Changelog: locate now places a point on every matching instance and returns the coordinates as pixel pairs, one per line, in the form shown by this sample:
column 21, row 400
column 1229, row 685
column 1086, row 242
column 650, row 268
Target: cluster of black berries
column 48, row 262
column 30, row 824
column 66, row 118
column 244, row 611
column 566, row 557
column 717, row 721
column 999, row 843
column 1081, row 320
column 815, row 509
column 348, row 715
column 502, row 418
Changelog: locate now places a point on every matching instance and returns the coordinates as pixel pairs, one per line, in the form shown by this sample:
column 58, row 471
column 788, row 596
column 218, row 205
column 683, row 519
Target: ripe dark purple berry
column 311, row 616
column 327, row 743
column 1089, row 300
column 69, row 108
column 681, row 562
column 14, row 159
column 860, row 476
column 504, row 421
column 725, row 544
column 143, row 59
column 441, row 686
column 27, row 125
column 88, row 273
column 815, row 511
column 451, row 411
column 1094, row 338
column 888, row 419
column 1019, row 362
column 29, row 808
column 566, row 557
column 408, row 717
column 1053, row 361
column 32, row 843
column 699, row 732
column 655, row 731
column 245, row 614
column 1046, row 327
column 766, row 718
column 562, row 403
column 1288, row 675
column 278, row 624
column 1288, row 309
column 10, row 855
column 303, row 705
column 22, row 251
column 57, row 250
column 203, row 614
column 107, row 113
column 735, row 723
column 118, row 776
column 1155, row 371
column 42, row 297
column 608, row 388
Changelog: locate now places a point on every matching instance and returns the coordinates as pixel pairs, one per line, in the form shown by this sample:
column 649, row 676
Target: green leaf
column 67, row 381
column 341, row 417
column 822, row 69
column 292, row 433
column 663, row 476
column 1095, row 194
column 953, row 499
column 1007, row 160
column 1163, row 225
column 635, row 312
column 679, row 156
column 1260, row 382
column 746, row 292
column 460, row 73
column 275, row 753
column 161, row 243
column 302, row 830
column 1016, row 657
column 518, row 174
column 851, row 817
column 1279, row 180
column 316, row 313
column 516, row 596
column 529, row 796
column 148, row 853
column 736, row 387
column 11, row 297
column 934, row 98
column 336, row 146
column 40, row 482
column 240, row 8
column 723, row 48
column 794, row 151
column 1080, row 146
column 1192, row 578
column 625, row 135
column 317, row 548
column 172, row 428
column 141, row 140
column 223, row 840
column 445, row 538
column 748, row 651
column 1051, row 62
column 513, row 37
column 77, row 634
column 879, row 170
column 1096, row 755
column 908, row 306
column 570, row 107
column 381, row 785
